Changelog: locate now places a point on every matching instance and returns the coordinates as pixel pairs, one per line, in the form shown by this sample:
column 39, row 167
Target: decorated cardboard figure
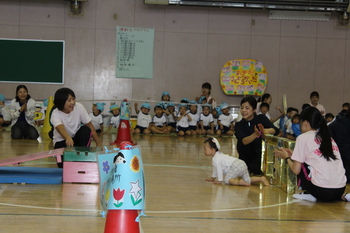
column 122, row 185
column 39, row 115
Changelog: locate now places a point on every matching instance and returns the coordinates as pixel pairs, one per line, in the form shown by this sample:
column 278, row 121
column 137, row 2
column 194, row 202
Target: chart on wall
column 134, row 55
column 243, row 77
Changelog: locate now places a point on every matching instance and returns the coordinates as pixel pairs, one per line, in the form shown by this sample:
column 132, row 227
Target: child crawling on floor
column 235, row 169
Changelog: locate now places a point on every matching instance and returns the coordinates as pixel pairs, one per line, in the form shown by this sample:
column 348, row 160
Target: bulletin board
column 32, row 61
column 243, row 77
column 134, row 55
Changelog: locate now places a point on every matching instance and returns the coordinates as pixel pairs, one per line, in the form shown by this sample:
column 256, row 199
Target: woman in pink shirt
column 316, row 160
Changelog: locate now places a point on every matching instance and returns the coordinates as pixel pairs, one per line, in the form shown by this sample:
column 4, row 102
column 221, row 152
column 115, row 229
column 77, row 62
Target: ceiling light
column 300, row 15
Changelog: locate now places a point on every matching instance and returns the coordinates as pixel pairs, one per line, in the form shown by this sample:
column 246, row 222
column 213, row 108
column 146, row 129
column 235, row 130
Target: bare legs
column 253, row 179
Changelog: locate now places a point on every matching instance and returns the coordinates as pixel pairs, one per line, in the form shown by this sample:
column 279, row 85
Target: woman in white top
column 22, row 114
column 67, row 119
column 316, row 160
column 205, row 97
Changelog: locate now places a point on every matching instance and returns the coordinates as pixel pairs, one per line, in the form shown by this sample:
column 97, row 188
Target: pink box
column 80, row 172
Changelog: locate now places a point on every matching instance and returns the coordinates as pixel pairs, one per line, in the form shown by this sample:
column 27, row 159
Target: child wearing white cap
column 225, row 121
column 234, row 169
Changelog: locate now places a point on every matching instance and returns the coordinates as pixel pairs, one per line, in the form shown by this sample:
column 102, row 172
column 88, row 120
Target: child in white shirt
column 206, row 120
column 183, row 119
column 225, row 121
column 194, row 123
column 158, row 124
column 143, row 119
column 5, row 116
column 115, row 119
column 234, row 169
column 96, row 117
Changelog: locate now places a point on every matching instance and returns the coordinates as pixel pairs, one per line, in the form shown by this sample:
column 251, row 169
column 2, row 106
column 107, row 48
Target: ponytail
column 323, row 136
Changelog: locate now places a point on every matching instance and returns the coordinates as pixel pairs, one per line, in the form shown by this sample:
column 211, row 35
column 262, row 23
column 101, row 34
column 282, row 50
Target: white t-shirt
column 206, row 119
column 170, row 118
column 96, row 120
column 289, row 127
column 183, row 122
column 320, row 108
column 159, row 121
column 143, row 120
column 226, row 120
column 70, row 121
column 221, row 164
column 5, row 112
column 195, row 119
column 258, row 112
column 325, row 174
column 115, row 121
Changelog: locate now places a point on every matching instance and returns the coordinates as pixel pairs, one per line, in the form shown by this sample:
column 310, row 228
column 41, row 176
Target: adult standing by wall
column 315, row 97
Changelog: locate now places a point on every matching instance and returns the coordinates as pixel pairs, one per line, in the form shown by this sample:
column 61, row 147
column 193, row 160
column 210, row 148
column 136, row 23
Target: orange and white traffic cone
column 122, row 221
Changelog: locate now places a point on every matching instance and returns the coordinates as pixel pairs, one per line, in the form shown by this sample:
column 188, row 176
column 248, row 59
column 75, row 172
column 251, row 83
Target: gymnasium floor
column 178, row 200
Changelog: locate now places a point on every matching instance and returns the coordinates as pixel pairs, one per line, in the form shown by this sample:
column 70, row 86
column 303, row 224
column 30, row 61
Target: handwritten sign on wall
column 243, row 77
column 134, row 52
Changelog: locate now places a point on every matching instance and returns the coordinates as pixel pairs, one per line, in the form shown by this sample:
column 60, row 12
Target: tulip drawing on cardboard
column 118, row 196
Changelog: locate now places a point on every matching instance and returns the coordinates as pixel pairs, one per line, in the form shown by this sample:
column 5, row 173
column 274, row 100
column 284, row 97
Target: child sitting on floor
column 171, row 116
column 143, row 119
column 114, row 121
column 206, row 120
column 183, row 119
column 5, row 116
column 96, row 117
column 225, row 121
column 194, row 123
column 236, row 170
column 158, row 124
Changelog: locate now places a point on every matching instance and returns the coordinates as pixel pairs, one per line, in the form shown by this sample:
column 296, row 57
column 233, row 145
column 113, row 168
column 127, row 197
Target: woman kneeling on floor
column 316, row 160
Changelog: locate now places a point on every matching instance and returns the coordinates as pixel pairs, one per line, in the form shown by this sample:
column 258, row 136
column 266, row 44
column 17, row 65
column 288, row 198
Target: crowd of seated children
column 286, row 121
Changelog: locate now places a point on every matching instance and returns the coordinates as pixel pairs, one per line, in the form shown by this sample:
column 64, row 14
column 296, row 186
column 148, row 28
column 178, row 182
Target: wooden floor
column 178, row 200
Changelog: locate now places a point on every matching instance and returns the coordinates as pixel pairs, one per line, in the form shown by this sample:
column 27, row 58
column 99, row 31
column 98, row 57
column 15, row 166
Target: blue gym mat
column 30, row 175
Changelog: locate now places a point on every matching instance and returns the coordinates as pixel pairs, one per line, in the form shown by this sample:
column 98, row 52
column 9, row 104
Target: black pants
column 24, row 130
column 81, row 138
column 321, row 194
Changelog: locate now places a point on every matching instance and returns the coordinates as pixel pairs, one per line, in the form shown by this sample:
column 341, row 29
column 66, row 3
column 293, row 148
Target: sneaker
column 304, row 196
column 347, row 197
